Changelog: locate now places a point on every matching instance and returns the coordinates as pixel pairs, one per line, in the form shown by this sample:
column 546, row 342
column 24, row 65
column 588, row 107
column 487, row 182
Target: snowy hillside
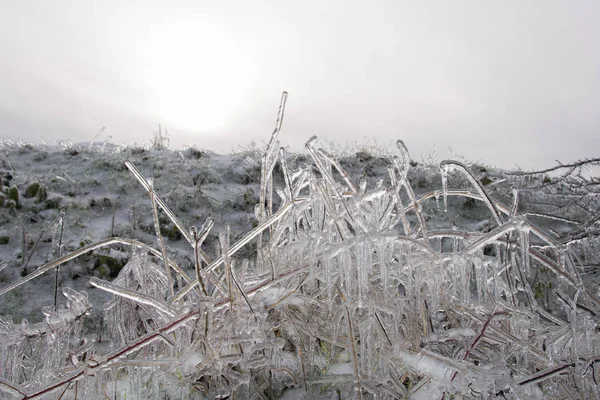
column 362, row 275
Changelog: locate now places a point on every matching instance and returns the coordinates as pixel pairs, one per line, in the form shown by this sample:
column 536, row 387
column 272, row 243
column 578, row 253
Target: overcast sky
column 502, row 82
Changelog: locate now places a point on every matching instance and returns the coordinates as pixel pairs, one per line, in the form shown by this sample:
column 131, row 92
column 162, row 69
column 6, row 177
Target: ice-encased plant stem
column 352, row 294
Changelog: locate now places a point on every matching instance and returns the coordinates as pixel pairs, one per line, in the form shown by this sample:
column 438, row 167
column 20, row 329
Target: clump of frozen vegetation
column 353, row 292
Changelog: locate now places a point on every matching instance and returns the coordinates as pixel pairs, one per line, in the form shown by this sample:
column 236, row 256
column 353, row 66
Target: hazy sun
column 197, row 72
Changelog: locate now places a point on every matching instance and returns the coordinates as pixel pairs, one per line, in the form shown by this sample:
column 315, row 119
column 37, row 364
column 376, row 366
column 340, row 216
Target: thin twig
column 160, row 238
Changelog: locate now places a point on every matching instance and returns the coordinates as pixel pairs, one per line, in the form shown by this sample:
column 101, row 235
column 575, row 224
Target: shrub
column 171, row 232
column 249, row 197
column 7, row 178
column 485, row 181
column 338, row 303
column 470, row 203
column 193, row 153
column 32, row 190
column 250, row 175
column 13, row 194
column 103, row 203
column 363, row 156
column 40, row 156
column 107, row 266
column 42, row 194
column 10, row 204
column 52, row 204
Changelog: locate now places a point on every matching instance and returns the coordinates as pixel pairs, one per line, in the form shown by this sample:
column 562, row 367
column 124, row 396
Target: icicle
column 90, row 147
column 347, row 270
column 333, row 161
column 455, row 241
column 524, row 244
column 363, row 267
column 312, row 141
column 405, row 162
column 329, row 271
column 362, row 186
column 335, row 322
column 444, row 172
column 104, row 144
column 515, row 205
column 480, row 279
column 286, row 175
column 383, row 269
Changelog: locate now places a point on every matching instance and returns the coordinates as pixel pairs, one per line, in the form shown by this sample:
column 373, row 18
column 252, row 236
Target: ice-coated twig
column 301, row 363
column 286, row 175
column 382, row 328
column 499, row 206
column 268, row 158
column 289, row 294
column 33, row 249
column 330, row 208
column 309, row 146
column 198, row 240
column 434, row 293
column 478, row 338
column 136, row 296
column 13, row 387
column 61, row 224
column 224, row 239
column 64, row 380
column 507, row 336
column 241, row 290
column 402, row 165
column 552, row 217
column 448, row 164
column 515, row 205
column 590, row 161
column 354, row 355
column 279, row 122
column 52, row 264
column 236, row 247
column 351, row 339
column 91, row 146
column 113, row 357
column 415, row 205
column 331, row 159
column 401, row 210
column 159, row 237
column 184, row 232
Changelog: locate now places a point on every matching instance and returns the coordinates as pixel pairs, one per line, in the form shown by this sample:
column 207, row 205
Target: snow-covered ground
column 58, row 199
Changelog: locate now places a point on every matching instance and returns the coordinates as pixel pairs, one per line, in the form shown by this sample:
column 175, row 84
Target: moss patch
column 52, row 204
column 485, row 181
column 469, row 203
column 32, row 190
column 42, row 194
column 172, row 232
column 13, row 194
column 101, row 203
column 108, row 267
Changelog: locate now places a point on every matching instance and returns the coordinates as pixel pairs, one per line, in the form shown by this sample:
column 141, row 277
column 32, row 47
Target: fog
column 504, row 83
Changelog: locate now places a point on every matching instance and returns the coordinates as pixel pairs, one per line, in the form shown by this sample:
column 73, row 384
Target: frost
column 354, row 291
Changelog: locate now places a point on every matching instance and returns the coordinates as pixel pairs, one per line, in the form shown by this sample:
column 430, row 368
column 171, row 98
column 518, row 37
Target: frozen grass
column 354, row 292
